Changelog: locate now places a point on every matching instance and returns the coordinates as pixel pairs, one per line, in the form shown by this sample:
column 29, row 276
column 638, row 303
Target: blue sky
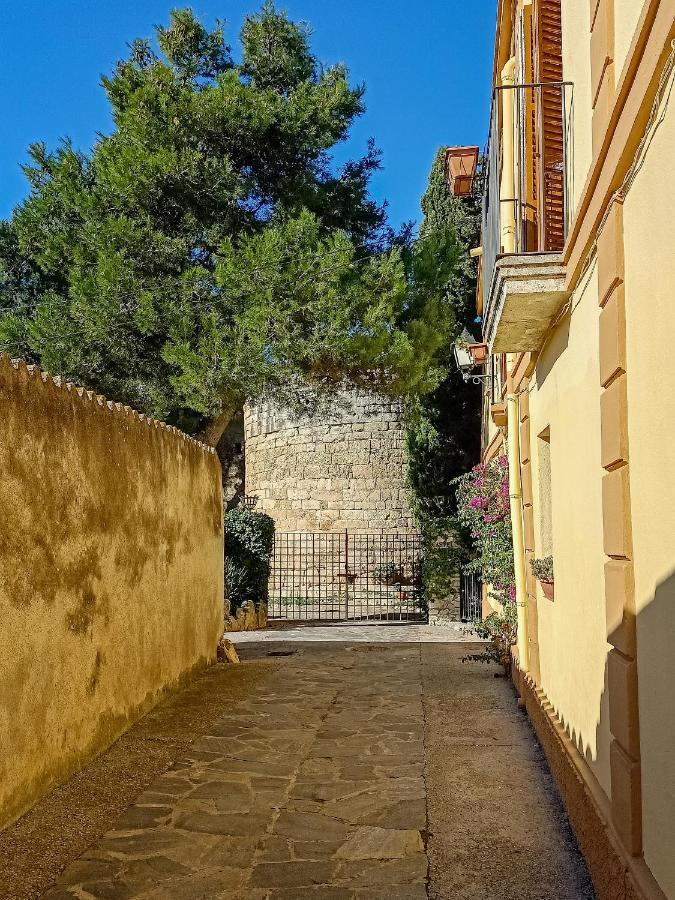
column 426, row 66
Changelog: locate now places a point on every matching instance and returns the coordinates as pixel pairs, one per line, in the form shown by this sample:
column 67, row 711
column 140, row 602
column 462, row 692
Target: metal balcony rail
column 527, row 210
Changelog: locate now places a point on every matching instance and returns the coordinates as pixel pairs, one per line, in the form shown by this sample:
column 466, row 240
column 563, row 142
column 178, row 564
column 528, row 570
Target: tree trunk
column 213, row 430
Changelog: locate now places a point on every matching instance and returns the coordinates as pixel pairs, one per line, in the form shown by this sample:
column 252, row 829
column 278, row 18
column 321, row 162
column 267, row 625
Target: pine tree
column 206, row 251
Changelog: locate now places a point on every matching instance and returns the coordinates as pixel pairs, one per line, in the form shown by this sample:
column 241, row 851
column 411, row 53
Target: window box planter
column 542, row 569
column 547, row 588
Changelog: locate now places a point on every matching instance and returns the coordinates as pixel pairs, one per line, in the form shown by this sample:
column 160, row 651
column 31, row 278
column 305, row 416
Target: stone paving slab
column 317, row 786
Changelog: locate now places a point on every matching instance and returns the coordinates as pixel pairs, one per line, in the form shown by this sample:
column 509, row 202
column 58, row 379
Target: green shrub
column 500, row 628
column 543, row 568
column 249, row 539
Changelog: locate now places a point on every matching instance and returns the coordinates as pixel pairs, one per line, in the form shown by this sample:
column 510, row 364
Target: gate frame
column 346, row 580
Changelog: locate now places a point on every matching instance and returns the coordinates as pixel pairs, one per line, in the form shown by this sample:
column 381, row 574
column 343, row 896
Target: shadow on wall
column 643, row 799
column 556, row 347
column 655, row 630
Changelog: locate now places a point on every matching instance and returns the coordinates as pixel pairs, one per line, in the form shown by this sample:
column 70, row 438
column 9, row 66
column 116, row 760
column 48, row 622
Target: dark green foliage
column 443, row 426
column 463, row 215
column 445, row 554
column 443, row 437
column 249, row 538
column 207, row 251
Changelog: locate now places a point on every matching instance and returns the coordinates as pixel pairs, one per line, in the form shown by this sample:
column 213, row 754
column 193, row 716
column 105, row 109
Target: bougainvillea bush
column 483, row 507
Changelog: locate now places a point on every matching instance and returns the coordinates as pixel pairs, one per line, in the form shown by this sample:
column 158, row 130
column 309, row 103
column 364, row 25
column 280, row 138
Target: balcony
column 525, row 214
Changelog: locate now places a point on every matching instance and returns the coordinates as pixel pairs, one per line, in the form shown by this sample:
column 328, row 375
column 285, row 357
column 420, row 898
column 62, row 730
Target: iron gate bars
column 470, row 598
column 346, row 576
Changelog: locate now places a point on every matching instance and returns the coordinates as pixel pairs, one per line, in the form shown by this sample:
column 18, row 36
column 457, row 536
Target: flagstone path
column 348, row 772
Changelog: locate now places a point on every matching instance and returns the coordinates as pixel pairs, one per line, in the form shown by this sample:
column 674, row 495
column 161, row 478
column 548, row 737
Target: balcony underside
column 526, row 294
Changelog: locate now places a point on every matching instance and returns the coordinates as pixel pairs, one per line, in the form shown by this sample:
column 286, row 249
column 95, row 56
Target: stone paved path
column 360, row 633
column 317, row 785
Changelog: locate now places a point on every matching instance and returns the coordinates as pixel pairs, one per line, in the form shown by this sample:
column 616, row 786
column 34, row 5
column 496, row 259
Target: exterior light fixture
column 460, row 168
column 470, row 355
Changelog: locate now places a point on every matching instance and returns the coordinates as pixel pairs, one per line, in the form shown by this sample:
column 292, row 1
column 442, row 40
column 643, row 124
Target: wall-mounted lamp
column 460, row 169
column 469, row 356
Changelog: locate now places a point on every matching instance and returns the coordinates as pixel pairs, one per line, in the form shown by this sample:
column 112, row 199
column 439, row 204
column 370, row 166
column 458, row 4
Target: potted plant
column 543, row 570
column 387, row 573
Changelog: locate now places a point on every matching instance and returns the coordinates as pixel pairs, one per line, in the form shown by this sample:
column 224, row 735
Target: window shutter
column 548, row 37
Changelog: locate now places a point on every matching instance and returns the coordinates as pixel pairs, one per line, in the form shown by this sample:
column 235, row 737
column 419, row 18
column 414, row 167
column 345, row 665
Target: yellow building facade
column 577, row 296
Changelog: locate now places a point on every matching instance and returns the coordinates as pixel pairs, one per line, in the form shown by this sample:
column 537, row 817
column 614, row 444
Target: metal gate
column 346, row 576
column 470, row 598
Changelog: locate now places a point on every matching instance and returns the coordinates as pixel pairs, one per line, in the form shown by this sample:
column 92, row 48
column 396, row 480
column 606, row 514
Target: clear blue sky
column 426, row 66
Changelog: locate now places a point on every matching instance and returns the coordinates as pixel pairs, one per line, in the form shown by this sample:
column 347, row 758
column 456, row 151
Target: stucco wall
column 572, row 629
column 575, row 15
column 336, row 468
column 626, row 17
column 110, row 574
column 649, row 240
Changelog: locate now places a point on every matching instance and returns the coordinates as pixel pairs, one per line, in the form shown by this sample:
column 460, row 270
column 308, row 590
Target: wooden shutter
column 548, row 42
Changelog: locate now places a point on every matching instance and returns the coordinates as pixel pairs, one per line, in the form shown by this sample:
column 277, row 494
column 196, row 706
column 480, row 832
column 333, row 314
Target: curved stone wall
column 336, row 469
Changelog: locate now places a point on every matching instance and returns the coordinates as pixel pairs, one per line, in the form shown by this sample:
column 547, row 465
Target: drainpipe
column 516, row 503
column 507, row 190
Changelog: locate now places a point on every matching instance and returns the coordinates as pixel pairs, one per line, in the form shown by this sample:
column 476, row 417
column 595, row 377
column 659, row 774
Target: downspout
column 507, row 190
column 516, row 503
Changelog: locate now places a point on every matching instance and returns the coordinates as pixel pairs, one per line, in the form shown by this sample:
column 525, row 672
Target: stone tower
column 335, row 469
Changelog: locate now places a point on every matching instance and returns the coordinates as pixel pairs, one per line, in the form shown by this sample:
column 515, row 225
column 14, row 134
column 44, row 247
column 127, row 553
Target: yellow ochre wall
column 626, row 17
column 575, row 16
column 649, row 241
column 111, row 574
column 564, row 396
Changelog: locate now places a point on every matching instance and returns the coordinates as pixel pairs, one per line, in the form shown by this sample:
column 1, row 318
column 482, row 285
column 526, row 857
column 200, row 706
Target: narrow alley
column 312, row 770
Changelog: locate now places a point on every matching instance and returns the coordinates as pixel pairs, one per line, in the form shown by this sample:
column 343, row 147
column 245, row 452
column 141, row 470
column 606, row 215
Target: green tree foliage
column 444, row 425
column 206, row 251
column 463, row 216
column 443, row 432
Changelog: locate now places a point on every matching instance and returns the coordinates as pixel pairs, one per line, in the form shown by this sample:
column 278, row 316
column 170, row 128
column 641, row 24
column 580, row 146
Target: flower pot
column 547, row 588
column 388, row 580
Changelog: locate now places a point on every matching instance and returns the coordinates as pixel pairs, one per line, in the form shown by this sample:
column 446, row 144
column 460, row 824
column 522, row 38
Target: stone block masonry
column 331, row 469
column 111, row 574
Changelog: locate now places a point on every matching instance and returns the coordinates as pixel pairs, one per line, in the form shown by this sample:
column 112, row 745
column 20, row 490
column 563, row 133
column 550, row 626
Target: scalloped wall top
column 34, row 373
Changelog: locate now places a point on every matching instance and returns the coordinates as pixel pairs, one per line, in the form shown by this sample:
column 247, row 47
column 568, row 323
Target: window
column 545, row 495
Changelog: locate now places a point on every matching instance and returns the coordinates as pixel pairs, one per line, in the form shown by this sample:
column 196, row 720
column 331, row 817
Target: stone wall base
column 616, row 875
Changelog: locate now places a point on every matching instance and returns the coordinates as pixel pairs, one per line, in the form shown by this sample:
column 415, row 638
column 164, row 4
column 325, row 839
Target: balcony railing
column 526, row 206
